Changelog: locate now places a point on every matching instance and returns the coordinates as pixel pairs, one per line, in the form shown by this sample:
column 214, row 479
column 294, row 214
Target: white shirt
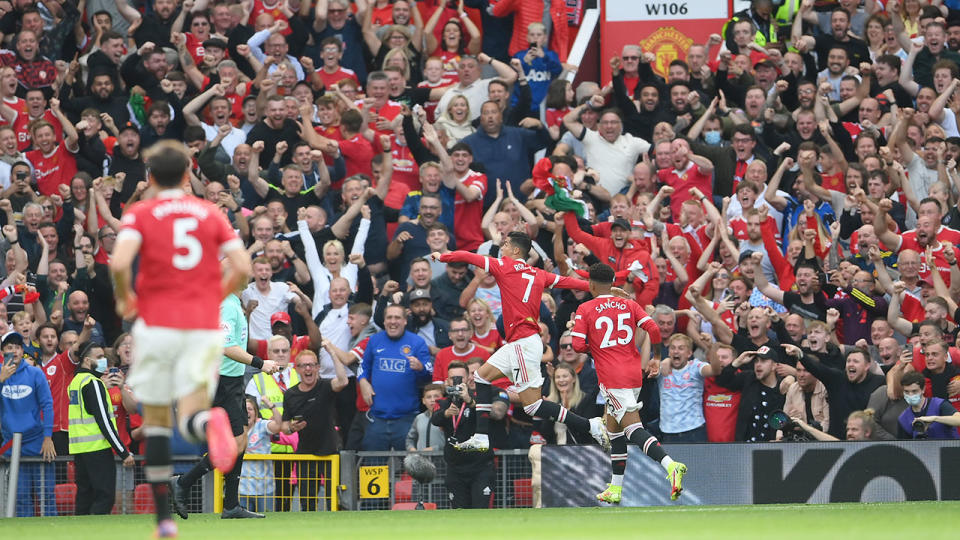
column 335, row 328
column 477, row 93
column 235, row 138
column 276, row 299
column 614, row 161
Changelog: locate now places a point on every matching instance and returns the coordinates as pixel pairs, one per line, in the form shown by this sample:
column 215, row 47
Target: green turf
column 926, row 520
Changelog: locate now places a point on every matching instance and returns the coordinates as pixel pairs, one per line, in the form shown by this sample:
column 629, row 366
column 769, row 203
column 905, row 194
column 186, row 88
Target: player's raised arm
column 564, row 282
column 468, row 257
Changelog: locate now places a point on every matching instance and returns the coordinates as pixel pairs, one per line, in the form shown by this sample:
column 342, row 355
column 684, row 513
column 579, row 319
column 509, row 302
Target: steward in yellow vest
column 93, row 434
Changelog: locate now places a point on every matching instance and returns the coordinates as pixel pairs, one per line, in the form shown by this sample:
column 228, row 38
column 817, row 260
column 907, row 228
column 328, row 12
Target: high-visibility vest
column 267, row 386
column 760, row 37
column 84, row 433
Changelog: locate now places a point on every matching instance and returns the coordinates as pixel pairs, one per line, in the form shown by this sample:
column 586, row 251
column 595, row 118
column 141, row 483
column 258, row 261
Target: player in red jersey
column 521, row 287
column 177, row 338
column 604, row 327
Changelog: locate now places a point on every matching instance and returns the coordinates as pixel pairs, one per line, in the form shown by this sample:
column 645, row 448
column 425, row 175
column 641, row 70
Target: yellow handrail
column 333, row 483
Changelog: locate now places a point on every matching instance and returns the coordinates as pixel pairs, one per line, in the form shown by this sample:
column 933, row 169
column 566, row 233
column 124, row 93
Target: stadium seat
column 522, row 493
column 143, row 500
column 403, row 490
column 413, row 506
column 66, row 496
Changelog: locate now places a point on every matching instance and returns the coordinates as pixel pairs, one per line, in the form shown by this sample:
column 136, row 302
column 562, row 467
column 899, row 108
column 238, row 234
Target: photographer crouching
column 470, row 475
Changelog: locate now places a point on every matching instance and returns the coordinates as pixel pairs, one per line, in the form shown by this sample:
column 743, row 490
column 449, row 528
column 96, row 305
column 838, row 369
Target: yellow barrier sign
column 375, row 482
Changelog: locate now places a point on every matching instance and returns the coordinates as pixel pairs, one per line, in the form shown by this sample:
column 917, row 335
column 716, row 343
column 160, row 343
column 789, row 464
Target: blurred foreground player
column 177, row 338
column 604, row 327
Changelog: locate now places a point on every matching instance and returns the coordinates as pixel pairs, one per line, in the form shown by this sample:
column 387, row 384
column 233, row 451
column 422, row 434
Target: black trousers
column 471, row 487
column 310, row 475
column 283, row 490
column 96, row 482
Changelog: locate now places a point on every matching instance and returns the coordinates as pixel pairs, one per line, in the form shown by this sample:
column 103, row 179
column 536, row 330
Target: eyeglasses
column 108, row 235
column 310, row 365
column 630, row 57
column 48, row 207
column 566, row 345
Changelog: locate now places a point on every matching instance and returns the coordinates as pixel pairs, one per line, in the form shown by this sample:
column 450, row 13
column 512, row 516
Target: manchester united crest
column 668, row 44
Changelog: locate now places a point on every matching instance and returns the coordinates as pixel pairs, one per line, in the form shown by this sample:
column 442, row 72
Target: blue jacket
column 26, row 406
column 540, row 73
column 507, row 157
column 396, row 386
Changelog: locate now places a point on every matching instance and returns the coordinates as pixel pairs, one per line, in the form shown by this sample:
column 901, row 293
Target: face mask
column 913, row 399
column 712, row 137
column 101, row 365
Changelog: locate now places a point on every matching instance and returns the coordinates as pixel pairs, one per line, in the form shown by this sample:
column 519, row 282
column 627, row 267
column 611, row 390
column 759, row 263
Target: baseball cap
column 745, row 254
column 11, row 338
column 129, row 125
column 418, row 294
column 766, row 353
column 765, row 61
column 215, row 42
column 622, row 223
column 280, row 317
column 927, row 280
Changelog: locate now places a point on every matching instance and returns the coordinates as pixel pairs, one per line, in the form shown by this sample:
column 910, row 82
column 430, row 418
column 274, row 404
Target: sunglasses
column 566, row 345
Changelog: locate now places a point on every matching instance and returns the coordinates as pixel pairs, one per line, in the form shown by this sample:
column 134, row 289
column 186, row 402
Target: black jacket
column 845, row 396
column 746, row 381
column 466, row 426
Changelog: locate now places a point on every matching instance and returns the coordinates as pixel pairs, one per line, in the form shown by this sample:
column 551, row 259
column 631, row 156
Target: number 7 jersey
column 178, row 278
column 604, row 327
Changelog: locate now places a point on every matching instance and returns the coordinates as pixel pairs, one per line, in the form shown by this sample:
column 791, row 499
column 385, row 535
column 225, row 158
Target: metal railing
column 285, row 482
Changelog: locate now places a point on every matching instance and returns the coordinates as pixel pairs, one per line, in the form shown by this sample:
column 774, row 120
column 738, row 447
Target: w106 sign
column 666, row 29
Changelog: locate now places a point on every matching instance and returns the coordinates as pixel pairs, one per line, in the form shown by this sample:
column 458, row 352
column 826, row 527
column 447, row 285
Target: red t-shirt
column 739, row 226
column 330, row 79
column 382, row 15
column 834, row 182
column 467, row 215
column 490, row 341
column 406, row 176
column 194, row 47
column 431, row 106
column 909, row 241
column 259, row 8
column 450, row 60
column 17, row 104
column 389, row 111
column 720, row 408
column 50, row 171
column 555, row 116
column 683, row 182
column 357, row 153
column 59, row 372
column 447, row 355
column 181, row 241
column 521, row 287
column 21, row 126
column 604, row 327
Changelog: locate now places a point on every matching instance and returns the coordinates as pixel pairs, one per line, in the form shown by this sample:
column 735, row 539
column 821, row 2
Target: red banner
column 665, row 28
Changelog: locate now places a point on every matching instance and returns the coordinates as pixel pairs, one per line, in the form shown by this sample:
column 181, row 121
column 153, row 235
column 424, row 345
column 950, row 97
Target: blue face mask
column 712, row 137
column 913, row 399
column 101, row 365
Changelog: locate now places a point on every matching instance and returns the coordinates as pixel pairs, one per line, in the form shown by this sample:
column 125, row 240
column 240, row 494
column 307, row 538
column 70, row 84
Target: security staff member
column 272, row 387
column 93, row 434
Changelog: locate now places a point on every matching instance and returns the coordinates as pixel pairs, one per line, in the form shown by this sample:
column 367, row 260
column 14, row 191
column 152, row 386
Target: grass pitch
column 927, row 520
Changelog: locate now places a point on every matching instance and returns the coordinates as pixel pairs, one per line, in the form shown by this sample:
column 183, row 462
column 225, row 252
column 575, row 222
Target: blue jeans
column 36, row 478
column 692, row 436
column 386, row 434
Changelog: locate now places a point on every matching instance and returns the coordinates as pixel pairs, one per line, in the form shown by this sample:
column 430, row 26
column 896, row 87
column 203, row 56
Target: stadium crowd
column 783, row 204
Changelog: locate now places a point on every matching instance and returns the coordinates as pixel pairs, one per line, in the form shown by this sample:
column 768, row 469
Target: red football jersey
column 431, row 106
column 909, row 241
column 466, row 215
column 604, row 327
column 490, row 341
column 59, row 372
column 52, row 170
column 330, row 79
column 17, row 104
column 21, row 126
column 521, row 287
column 178, row 283
column 447, row 355
column 358, row 351
column 720, row 408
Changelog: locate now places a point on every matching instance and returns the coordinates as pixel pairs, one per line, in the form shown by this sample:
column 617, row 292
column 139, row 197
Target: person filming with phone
column 308, row 409
column 26, row 406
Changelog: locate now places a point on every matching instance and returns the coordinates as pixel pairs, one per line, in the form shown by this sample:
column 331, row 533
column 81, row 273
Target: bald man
column 78, row 306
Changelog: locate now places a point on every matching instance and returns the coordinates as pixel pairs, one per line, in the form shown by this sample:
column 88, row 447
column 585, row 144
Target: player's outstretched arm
column 462, row 256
